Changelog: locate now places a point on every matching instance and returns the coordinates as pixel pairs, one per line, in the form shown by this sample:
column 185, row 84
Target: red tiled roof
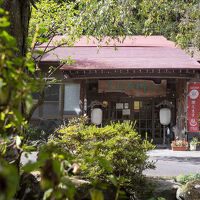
column 137, row 52
column 130, row 41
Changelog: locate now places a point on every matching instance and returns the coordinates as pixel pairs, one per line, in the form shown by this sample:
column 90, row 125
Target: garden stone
column 165, row 188
column 189, row 191
column 83, row 189
column 30, row 187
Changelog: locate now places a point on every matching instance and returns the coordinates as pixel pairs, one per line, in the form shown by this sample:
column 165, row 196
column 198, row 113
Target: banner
column 193, row 103
column 135, row 88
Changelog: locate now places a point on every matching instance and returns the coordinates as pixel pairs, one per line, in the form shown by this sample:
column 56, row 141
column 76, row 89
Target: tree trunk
column 19, row 12
column 19, row 16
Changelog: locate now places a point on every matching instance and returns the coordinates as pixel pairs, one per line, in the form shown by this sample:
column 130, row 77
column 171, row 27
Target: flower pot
column 179, row 148
column 193, row 147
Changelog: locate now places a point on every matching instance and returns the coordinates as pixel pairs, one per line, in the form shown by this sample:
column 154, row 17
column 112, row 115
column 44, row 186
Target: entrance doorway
column 143, row 112
column 138, row 111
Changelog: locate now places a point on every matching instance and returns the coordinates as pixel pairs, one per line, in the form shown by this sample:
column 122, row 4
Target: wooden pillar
column 82, row 96
column 181, row 108
column 153, row 118
column 62, row 100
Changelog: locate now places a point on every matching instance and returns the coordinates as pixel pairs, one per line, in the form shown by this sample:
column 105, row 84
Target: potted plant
column 193, row 144
column 179, row 145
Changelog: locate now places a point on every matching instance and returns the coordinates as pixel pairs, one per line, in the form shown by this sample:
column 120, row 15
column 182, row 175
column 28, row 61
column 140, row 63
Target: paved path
column 169, row 163
column 173, row 163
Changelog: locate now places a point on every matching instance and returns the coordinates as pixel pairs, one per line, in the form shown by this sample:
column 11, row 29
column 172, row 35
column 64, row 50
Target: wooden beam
column 133, row 77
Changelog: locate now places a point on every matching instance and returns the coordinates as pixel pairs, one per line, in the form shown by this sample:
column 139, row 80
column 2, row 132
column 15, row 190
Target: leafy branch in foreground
column 16, row 85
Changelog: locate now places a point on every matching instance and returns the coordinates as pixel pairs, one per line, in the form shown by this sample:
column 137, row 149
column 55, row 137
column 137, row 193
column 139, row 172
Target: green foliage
column 78, row 121
column 53, row 175
column 106, row 18
column 33, row 136
column 183, row 179
column 16, row 84
column 96, row 194
column 52, row 163
column 33, row 133
column 9, row 180
column 194, row 141
column 178, row 20
column 175, row 19
column 53, row 19
column 114, row 154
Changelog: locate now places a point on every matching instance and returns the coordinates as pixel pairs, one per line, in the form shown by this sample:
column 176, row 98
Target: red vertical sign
column 193, row 103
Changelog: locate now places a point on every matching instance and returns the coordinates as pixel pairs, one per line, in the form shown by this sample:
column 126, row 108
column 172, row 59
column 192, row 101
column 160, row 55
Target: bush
column 183, row 179
column 115, row 153
column 34, row 136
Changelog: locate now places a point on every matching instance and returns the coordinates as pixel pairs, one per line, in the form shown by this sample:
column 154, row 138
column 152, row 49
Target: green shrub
column 34, row 136
column 183, row 179
column 115, row 153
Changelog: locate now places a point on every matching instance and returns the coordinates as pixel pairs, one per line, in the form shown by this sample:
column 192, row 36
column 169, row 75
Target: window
column 51, row 106
column 72, row 98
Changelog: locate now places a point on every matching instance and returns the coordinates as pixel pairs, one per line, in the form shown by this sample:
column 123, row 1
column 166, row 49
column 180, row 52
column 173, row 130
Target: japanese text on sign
column 137, row 88
column 193, row 103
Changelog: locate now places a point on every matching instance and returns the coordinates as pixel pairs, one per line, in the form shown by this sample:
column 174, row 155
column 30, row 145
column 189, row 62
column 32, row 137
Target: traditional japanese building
column 132, row 80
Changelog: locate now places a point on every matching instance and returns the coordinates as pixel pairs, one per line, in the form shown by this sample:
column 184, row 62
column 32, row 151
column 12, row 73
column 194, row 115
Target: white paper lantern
column 96, row 116
column 165, row 116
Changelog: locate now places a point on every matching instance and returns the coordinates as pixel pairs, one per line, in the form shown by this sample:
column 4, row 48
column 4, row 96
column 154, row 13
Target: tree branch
column 40, row 101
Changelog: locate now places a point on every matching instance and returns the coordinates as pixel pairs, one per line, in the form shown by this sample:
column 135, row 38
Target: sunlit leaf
column 113, row 180
column 18, row 141
column 31, row 166
column 4, row 24
column 47, row 194
column 96, row 194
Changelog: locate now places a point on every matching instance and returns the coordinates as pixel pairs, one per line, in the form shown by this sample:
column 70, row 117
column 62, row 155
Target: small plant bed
column 179, row 145
column 193, row 144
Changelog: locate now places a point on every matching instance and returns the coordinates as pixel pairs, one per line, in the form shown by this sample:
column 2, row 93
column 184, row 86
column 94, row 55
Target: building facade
column 132, row 80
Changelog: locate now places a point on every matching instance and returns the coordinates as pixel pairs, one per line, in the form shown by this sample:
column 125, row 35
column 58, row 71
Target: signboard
column 126, row 112
column 193, row 103
column 136, row 88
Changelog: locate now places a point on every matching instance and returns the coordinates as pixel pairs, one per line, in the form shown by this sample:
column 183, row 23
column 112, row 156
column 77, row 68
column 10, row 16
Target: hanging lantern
column 96, row 116
column 165, row 116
